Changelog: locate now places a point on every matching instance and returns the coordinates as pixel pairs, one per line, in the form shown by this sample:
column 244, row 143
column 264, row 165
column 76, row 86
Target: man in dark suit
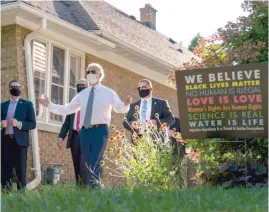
column 72, row 127
column 147, row 111
column 17, row 118
column 178, row 148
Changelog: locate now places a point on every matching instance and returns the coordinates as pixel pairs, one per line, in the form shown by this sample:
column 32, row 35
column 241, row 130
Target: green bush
column 147, row 163
column 214, row 156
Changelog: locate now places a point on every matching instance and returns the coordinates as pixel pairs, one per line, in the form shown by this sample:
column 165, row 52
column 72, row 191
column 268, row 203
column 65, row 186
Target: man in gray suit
column 147, row 110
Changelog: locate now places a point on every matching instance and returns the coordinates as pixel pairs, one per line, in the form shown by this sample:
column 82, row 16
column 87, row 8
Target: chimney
column 148, row 16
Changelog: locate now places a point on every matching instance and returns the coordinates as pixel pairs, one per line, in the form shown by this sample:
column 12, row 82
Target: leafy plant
column 148, row 162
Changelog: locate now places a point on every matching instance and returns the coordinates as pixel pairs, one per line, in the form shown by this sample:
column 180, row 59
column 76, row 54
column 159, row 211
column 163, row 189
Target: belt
column 10, row 135
column 94, row 126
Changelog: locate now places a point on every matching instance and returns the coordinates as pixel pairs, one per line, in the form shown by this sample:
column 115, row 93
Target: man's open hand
column 60, row 142
column 128, row 100
column 44, row 100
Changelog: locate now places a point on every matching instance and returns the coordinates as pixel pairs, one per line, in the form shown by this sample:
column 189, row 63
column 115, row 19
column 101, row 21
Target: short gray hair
column 149, row 83
column 96, row 66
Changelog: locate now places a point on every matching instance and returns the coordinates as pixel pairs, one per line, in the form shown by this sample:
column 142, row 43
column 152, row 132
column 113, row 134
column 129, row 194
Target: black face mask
column 80, row 88
column 144, row 93
column 15, row 91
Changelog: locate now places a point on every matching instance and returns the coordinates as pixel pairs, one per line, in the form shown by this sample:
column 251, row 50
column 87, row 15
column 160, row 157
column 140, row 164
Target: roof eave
column 42, row 14
column 132, row 48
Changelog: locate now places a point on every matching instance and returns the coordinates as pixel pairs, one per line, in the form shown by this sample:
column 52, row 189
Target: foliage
column 146, row 163
column 240, row 42
column 246, row 40
column 194, row 42
column 215, row 157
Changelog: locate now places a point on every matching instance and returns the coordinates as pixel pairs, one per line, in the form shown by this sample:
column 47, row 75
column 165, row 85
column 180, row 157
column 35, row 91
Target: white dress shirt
column 105, row 99
column 10, row 127
column 149, row 104
column 75, row 122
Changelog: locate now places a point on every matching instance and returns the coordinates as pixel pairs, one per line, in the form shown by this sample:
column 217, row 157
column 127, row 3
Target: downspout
column 31, row 96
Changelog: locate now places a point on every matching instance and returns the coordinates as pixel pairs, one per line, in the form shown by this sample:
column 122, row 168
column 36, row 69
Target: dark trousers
column 93, row 142
column 13, row 156
column 75, row 151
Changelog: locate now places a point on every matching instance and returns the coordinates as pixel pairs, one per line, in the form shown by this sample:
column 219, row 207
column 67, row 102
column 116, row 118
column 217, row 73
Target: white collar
column 16, row 100
column 96, row 86
column 148, row 99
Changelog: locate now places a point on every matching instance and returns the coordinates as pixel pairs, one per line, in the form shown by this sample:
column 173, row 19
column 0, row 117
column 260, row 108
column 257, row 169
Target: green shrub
column 146, row 163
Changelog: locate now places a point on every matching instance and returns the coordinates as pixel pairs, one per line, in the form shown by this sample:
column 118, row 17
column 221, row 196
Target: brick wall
column 9, row 65
column 121, row 80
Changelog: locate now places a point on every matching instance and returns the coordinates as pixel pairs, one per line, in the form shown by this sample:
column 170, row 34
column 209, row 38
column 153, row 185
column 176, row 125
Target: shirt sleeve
column 67, row 109
column 117, row 105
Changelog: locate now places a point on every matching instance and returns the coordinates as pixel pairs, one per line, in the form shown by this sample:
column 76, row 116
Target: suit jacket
column 25, row 113
column 68, row 128
column 159, row 106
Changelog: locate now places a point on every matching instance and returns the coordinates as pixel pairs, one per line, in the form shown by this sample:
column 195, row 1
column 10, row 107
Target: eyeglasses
column 142, row 88
column 91, row 72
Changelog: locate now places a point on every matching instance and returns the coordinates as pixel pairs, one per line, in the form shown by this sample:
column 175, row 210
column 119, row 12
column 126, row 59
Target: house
column 47, row 45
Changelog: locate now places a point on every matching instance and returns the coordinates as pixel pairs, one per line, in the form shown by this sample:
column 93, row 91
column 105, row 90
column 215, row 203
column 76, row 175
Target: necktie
column 78, row 122
column 10, row 114
column 88, row 116
column 144, row 112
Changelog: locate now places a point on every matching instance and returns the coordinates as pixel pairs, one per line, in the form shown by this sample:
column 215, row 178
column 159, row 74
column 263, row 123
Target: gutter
column 31, row 96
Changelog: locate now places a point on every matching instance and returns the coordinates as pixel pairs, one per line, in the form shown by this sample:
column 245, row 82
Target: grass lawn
column 72, row 198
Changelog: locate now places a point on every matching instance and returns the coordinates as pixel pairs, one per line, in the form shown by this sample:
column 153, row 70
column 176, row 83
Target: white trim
column 82, row 72
column 62, row 45
column 56, row 37
column 54, row 128
column 47, row 123
column 45, row 79
column 48, row 90
column 82, row 58
column 134, row 67
column 66, row 75
column 10, row 6
column 31, row 95
column 133, row 48
column 65, row 80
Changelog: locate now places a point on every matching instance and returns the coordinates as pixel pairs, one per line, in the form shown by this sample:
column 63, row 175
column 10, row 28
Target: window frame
column 43, row 119
column 46, row 123
column 71, row 53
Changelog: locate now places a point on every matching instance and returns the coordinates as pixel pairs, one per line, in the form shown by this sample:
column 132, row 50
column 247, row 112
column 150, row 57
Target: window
column 39, row 57
column 57, row 80
column 75, row 65
column 54, row 76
